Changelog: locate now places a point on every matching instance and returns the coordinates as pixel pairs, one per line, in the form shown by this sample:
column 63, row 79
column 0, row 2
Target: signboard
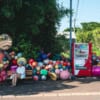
column 81, row 52
column 81, row 59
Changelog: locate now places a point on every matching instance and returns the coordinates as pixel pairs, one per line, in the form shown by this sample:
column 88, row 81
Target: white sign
column 81, row 51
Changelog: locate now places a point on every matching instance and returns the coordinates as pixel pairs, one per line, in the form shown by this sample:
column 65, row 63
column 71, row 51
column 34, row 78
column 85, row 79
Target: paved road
column 54, row 97
column 81, row 88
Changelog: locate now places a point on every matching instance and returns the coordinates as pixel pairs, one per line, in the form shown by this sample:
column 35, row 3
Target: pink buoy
column 35, row 78
column 3, row 73
column 96, row 71
column 64, row 75
column 57, row 71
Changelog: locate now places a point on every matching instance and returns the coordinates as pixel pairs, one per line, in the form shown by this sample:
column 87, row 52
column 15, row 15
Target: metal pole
column 70, row 25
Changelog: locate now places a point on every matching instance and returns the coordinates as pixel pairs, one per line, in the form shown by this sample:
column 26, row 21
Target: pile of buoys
column 42, row 68
column 96, row 66
column 96, row 70
column 2, row 75
column 3, row 65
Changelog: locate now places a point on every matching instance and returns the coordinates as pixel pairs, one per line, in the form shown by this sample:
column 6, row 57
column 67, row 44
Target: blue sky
column 88, row 11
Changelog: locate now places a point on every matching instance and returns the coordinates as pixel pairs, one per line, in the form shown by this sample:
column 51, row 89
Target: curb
column 53, row 95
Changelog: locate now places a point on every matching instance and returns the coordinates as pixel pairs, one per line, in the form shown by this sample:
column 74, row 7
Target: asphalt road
column 79, row 89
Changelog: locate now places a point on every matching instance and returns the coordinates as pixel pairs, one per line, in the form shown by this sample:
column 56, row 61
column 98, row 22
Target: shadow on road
column 33, row 87
column 29, row 87
column 84, row 80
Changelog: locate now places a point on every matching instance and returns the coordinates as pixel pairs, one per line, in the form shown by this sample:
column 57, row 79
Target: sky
column 88, row 11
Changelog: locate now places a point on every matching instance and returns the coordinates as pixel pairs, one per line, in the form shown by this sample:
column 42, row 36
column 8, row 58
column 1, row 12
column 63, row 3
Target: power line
column 76, row 13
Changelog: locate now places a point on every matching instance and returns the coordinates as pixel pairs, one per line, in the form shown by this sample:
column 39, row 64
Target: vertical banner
column 81, row 52
column 81, row 59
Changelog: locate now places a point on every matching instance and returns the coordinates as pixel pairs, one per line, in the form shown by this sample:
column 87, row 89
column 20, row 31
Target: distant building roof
column 67, row 34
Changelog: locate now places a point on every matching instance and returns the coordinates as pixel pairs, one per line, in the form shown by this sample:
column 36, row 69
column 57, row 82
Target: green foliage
column 90, row 26
column 31, row 23
column 96, row 50
column 28, row 49
column 90, row 32
column 73, row 29
column 63, row 42
column 66, row 54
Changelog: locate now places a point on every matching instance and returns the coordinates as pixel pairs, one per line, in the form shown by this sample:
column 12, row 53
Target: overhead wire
column 76, row 14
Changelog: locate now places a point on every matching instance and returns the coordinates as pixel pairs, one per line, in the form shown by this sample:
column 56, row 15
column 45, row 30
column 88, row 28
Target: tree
column 89, row 26
column 90, row 32
column 31, row 23
column 63, row 42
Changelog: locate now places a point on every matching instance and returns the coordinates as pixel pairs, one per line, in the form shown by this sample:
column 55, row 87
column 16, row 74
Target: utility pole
column 70, row 25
